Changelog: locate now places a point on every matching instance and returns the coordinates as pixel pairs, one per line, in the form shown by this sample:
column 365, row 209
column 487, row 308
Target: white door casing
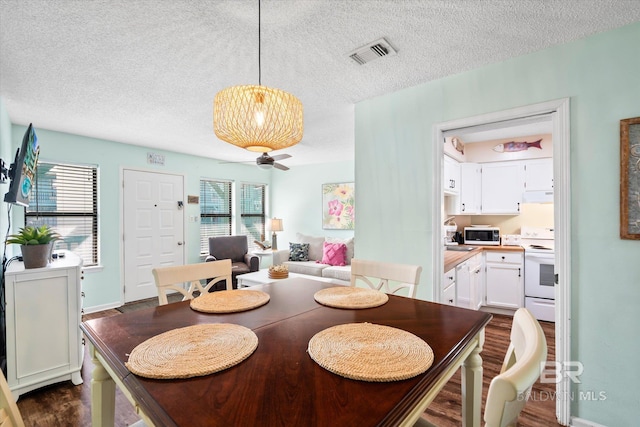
column 153, row 229
column 559, row 111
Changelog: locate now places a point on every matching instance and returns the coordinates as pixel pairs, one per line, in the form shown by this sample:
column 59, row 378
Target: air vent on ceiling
column 371, row 51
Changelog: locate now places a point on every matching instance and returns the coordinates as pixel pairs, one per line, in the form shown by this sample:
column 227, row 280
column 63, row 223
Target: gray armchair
column 236, row 249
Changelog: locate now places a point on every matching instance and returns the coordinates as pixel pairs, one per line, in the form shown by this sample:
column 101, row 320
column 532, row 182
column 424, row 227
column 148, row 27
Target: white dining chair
column 509, row 390
column 9, row 412
column 385, row 276
column 173, row 277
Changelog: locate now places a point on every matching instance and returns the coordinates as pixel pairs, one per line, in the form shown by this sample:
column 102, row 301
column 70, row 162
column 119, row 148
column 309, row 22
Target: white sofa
column 314, row 267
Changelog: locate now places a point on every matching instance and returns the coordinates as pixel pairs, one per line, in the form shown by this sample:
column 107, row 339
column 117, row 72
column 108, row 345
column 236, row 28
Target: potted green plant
column 36, row 244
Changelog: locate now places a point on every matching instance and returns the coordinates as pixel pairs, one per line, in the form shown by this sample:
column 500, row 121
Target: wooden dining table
column 279, row 384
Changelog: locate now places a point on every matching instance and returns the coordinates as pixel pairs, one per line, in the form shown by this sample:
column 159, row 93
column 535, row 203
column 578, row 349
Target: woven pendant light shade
column 257, row 118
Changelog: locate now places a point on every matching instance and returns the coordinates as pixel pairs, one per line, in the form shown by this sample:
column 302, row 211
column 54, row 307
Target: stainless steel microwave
column 487, row 236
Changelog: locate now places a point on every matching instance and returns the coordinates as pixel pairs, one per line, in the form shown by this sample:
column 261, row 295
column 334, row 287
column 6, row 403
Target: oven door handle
column 545, row 257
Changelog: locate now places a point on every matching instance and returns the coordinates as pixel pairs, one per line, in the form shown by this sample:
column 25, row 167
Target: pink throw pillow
column 334, row 253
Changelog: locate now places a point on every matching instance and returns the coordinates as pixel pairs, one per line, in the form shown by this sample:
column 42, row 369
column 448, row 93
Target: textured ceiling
column 145, row 72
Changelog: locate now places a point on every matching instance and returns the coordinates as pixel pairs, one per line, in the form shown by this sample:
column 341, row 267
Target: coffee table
column 261, row 277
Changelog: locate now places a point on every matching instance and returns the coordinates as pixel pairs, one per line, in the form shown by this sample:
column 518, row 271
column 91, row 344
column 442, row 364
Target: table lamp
column 276, row 225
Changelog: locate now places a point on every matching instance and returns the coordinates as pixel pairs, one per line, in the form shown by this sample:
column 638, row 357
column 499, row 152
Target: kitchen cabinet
column 451, row 175
column 476, row 282
column 43, row 315
column 502, row 187
column 448, row 294
column 538, row 175
column 469, row 289
column 470, row 188
column 463, row 285
column 504, row 279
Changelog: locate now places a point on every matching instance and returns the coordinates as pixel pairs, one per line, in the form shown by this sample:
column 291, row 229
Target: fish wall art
column 512, row 147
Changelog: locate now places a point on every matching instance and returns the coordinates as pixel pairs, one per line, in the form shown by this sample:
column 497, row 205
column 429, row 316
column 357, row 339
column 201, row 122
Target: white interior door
column 153, row 224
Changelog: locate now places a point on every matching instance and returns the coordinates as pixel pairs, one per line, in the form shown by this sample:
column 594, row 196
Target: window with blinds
column 65, row 197
column 215, row 211
column 252, row 212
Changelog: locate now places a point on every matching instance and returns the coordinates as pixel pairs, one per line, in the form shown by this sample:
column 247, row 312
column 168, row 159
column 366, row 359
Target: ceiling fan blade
column 281, row 167
column 281, row 156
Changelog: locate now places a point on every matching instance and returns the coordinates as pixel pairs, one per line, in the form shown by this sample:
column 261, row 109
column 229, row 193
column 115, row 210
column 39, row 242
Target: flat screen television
column 23, row 170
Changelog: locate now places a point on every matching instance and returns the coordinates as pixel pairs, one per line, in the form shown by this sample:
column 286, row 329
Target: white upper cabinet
column 451, row 180
column 470, row 188
column 539, row 175
column 502, row 187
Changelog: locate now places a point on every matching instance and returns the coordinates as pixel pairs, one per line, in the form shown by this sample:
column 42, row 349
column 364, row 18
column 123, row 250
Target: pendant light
column 257, row 118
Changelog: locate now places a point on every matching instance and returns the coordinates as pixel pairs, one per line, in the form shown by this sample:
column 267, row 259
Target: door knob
column 180, row 243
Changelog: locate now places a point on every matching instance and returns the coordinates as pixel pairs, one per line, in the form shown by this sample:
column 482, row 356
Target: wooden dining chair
column 9, row 412
column 509, row 390
column 386, row 277
column 172, row 278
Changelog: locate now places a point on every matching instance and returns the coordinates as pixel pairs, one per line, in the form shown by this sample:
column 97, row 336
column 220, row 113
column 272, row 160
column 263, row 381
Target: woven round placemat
column 192, row 351
column 229, row 301
column 370, row 352
column 350, row 297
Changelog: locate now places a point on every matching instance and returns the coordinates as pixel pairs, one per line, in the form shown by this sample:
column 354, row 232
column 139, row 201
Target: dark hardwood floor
column 64, row 404
column 540, row 410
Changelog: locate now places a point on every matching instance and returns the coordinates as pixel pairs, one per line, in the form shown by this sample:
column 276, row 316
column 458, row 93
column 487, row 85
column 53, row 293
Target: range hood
column 537, row 197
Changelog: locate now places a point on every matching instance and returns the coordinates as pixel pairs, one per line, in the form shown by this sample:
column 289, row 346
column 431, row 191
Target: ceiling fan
column 266, row 161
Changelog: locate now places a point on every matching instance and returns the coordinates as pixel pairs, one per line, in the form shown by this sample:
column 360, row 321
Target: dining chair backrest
column 173, row 277
column 385, row 276
column 9, row 412
column 509, row 391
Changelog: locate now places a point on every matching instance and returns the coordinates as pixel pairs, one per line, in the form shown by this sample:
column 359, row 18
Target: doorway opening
column 558, row 113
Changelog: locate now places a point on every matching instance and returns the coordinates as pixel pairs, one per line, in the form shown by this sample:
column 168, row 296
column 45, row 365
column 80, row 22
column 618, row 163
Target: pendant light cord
column 259, row 55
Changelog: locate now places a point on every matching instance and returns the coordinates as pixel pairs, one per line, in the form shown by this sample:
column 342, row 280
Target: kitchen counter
column 453, row 258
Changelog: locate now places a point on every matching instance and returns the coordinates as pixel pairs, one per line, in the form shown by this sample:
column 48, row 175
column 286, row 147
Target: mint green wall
column 295, row 195
column 297, row 199
column 600, row 75
column 103, row 287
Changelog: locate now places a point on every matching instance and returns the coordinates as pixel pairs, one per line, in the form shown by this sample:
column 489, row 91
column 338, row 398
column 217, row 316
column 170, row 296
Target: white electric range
column 539, row 271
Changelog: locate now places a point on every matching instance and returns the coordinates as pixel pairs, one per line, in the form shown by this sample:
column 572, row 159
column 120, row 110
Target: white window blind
column 215, row 211
column 65, row 197
column 252, row 212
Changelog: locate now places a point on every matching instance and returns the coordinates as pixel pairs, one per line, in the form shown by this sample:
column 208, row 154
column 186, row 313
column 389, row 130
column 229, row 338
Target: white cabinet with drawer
column 448, row 293
column 504, row 279
column 43, row 314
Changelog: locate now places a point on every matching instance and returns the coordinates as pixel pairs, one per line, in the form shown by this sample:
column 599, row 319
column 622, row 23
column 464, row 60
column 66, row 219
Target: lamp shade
column 276, row 224
column 257, row 118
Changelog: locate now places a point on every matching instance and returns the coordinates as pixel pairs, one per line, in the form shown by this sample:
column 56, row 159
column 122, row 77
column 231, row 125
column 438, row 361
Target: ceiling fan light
column 258, row 118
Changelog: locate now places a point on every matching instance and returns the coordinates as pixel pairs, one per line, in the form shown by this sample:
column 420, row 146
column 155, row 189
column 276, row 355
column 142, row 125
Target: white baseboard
column 579, row 422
